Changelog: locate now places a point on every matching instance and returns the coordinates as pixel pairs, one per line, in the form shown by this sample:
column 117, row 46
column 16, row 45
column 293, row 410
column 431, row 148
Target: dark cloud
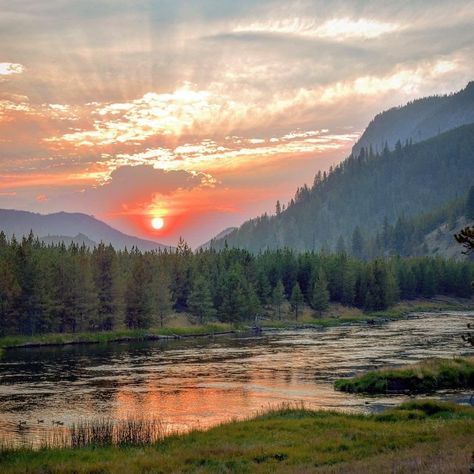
column 138, row 184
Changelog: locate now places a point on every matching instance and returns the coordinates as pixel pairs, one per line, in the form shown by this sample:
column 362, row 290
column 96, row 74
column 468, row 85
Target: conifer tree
column 138, row 305
column 357, row 243
column 278, row 297
column 104, row 268
column 320, row 293
column 200, row 302
column 296, row 300
column 162, row 296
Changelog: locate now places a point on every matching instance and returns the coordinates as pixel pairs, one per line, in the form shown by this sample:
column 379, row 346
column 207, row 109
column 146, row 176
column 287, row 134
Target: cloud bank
column 205, row 111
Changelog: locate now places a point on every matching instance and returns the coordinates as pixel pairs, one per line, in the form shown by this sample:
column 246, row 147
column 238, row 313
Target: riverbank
column 123, row 335
column 424, row 377
column 338, row 315
column 180, row 326
column 414, row 437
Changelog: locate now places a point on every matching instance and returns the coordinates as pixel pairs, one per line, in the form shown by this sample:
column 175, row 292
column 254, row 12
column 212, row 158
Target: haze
column 204, row 113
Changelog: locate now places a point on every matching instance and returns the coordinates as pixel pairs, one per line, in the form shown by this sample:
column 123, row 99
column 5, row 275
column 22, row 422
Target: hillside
column 366, row 190
column 418, row 120
column 69, row 227
column 221, row 235
column 424, row 234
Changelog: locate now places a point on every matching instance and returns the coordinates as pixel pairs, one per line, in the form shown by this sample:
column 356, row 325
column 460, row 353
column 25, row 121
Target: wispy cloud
column 338, row 29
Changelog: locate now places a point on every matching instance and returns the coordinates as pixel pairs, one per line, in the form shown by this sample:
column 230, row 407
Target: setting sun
column 157, row 223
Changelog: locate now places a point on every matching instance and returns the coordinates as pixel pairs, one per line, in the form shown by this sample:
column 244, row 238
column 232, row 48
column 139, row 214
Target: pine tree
column 87, row 299
column 320, row 293
column 382, row 289
column 278, row 297
column 233, row 305
column 357, row 243
column 296, row 300
column 9, row 292
column 138, row 305
column 29, row 278
column 162, row 297
column 278, row 208
column 200, row 302
column 348, row 284
column 104, row 268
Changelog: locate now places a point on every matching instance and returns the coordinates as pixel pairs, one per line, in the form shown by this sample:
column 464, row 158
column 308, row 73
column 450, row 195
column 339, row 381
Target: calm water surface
column 202, row 382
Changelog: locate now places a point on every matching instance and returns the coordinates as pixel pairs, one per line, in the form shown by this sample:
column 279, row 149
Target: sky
column 204, row 113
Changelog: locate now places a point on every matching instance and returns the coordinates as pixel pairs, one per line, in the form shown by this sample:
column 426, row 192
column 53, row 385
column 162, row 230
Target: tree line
column 59, row 288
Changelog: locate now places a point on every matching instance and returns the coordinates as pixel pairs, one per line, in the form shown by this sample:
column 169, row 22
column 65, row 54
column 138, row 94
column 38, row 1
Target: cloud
column 135, row 186
column 205, row 101
column 338, row 29
column 7, row 69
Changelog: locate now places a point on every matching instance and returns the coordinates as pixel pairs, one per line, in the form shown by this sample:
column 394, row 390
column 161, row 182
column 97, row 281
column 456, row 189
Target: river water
column 203, row 382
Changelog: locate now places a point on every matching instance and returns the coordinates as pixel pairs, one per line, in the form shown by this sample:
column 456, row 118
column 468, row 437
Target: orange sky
column 203, row 115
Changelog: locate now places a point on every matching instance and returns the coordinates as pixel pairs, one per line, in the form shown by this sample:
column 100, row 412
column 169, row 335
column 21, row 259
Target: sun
column 157, row 223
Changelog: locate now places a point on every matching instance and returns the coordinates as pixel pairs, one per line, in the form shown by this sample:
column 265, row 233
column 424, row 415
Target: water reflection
column 207, row 381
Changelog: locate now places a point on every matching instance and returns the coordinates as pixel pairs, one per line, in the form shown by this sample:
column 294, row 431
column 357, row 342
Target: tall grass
column 104, row 432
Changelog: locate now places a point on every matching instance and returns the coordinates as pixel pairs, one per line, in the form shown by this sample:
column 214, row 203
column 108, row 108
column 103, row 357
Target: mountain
column 418, row 120
column 65, row 225
column 220, row 235
column 364, row 191
column 79, row 239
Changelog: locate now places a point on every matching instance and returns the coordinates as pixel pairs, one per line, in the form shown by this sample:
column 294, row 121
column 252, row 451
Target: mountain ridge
column 69, row 225
column 364, row 190
column 418, row 120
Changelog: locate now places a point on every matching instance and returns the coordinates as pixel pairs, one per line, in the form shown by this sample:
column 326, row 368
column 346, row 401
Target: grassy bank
column 415, row 437
column 424, row 377
column 113, row 336
column 181, row 326
column 337, row 314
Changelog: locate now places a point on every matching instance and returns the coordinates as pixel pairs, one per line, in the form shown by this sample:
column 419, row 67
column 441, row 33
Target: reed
column 103, row 432
column 107, row 432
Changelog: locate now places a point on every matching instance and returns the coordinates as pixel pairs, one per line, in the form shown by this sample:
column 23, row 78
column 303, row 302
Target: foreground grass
column 424, row 377
column 415, row 437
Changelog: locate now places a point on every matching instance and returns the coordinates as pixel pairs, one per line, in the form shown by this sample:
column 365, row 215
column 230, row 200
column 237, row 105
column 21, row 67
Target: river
column 203, row 382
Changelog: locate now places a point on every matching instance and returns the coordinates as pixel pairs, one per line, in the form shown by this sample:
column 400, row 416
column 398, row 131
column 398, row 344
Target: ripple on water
column 199, row 383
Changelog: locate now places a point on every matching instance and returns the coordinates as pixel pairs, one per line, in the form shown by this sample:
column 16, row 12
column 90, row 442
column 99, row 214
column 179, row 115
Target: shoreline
column 305, row 440
column 402, row 310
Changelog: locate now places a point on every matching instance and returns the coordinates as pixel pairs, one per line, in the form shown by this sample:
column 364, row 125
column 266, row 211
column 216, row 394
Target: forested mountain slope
column 428, row 233
column 418, row 120
column 366, row 190
column 69, row 225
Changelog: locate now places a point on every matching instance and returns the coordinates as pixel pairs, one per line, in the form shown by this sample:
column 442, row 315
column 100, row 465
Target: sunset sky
column 204, row 113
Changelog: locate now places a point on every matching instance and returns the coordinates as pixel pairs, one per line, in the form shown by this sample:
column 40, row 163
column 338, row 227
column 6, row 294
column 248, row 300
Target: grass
column 338, row 314
column 180, row 325
column 111, row 336
column 415, row 437
column 424, row 377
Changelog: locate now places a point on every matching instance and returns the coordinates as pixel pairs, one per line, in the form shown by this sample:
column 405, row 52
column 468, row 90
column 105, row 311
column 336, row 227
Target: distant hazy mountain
column 220, row 235
column 79, row 239
column 365, row 191
column 69, row 227
column 418, row 120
